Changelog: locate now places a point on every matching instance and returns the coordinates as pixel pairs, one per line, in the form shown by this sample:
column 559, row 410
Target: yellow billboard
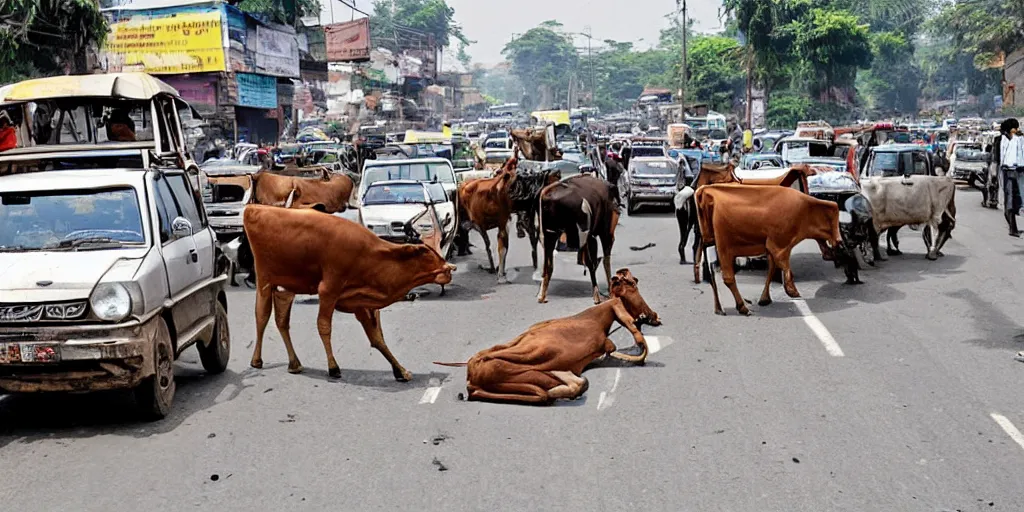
column 182, row 43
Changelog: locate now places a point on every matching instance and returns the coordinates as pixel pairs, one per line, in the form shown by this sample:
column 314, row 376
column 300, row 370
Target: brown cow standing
column 547, row 361
column 329, row 193
column 348, row 267
column 485, row 204
column 751, row 220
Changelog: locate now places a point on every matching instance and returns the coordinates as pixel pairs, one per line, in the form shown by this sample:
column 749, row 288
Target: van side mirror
column 181, row 227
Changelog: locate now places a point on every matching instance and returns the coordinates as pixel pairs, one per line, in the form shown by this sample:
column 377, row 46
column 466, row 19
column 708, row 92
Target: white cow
column 908, row 201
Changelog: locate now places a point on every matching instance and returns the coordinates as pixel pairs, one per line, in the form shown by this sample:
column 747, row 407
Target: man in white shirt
column 1011, row 165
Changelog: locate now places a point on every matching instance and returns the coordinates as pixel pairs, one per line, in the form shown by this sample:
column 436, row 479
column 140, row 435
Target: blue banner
column 256, row 91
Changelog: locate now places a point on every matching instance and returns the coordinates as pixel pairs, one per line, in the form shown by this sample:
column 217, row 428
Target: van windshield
column 409, row 171
column 69, row 220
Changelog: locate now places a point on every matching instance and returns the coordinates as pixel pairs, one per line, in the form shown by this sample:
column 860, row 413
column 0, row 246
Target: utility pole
column 590, row 57
column 682, row 84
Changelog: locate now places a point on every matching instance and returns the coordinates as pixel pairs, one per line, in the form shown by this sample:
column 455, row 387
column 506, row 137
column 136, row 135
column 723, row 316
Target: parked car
column 893, row 160
column 968, row 162
column 111, row 267
column 650, row 180
column 408, row 211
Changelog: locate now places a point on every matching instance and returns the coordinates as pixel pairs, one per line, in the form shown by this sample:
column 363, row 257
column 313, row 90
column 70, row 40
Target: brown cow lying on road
column 751, row 220
column 546, row 362
column 329, row 193
column 351, row 269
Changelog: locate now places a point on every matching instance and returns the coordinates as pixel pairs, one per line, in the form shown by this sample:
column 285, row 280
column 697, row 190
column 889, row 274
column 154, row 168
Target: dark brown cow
column 348, row 267
column 547, row 361
column 329, row 193
column 485, row 204
column 581, row 207
column 751, row 220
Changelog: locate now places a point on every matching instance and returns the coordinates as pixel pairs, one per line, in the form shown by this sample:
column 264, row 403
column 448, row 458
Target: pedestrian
column 1011, row 165
column 614, row 171
column 8, row 135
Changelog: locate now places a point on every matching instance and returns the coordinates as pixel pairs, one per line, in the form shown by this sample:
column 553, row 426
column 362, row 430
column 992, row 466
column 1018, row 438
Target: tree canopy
column 45, row 37
column 399, row 24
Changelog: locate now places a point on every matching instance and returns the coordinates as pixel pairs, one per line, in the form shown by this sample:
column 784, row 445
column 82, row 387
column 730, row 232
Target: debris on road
column 268, row 390
column 796, row 460
column 291, row 419
column 211, row 436
column 438, row 439
column 642, row 248
column 214, row 477
column 440, row 465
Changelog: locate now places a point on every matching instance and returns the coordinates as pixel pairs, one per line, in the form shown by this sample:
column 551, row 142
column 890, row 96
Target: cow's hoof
column 542, row 300
column 490, row 270
column 583, row 389
column 401, row 374
column 719, row 312
column 931, row 257
column 764, row 302
column 256, row 363
column 941, row 254
column 295, row 369
column 743, row 311
column 502, row 280
column 334, row 372
column 894, row 252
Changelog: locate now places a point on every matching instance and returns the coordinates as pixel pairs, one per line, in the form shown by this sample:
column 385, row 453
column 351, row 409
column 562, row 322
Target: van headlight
column 111, row 302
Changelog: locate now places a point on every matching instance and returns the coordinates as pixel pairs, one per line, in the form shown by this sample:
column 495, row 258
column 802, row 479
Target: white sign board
column 277, row 53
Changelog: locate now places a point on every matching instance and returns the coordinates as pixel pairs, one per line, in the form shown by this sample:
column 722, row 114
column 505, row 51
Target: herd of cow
column 302, row 249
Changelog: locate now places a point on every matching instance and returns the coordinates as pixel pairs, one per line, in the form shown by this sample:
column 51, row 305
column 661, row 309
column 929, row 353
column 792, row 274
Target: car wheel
column 156, row 393
column 215, row 355
column 630, row 207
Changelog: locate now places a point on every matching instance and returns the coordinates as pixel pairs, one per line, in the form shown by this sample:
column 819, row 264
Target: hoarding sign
column 182, row 43
column 348, row 42
column 256, row 91
column 277, row 52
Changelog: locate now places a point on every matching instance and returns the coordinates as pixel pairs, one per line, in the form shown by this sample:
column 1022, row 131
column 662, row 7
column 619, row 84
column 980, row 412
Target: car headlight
column 111, row 302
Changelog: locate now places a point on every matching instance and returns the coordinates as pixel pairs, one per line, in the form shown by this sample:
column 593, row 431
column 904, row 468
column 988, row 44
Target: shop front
column 256, row 112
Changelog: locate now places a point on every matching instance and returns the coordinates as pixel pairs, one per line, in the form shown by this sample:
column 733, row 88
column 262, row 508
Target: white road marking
column 430, row 394
column 605, row 400
column 1009, row 428
column 656, row 343
column 818, row 329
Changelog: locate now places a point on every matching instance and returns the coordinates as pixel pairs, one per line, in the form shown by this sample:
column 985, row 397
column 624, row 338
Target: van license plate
column 29, row 353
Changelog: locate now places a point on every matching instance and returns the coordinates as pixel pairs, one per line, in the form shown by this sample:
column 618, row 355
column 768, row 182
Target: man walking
column 1011, row 165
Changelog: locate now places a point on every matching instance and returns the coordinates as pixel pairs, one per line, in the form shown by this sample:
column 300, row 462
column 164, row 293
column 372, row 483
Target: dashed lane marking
column 656, row 343
column 430, row 394
column 1009, row 428
column 606, row 399
column 818, row 328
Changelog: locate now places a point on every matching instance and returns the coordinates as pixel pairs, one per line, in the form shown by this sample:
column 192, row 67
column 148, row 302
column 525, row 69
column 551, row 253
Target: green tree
column 45, row 37
column 893, row 85
column 284, row 12
column 716, row 72
column 833, row 45
column 543, row 59
column 983, row 28
column 404, row 24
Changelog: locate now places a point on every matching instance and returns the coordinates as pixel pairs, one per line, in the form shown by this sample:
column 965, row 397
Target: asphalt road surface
column 897, row 395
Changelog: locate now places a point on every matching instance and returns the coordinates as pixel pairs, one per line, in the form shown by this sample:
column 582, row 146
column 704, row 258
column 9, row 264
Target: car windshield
column 659, row 168
column 409, row 171
column 69, row 219
column 394, row 193
column 965, row 151
column 496, row 143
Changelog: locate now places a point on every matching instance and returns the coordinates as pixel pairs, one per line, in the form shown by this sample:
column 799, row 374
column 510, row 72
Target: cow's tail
column 452, row 365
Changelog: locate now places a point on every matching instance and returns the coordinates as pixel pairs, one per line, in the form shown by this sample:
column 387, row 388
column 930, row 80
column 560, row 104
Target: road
column 734, row 414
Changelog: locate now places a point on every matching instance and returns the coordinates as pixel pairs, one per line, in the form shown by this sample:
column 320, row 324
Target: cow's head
column 624, row 288
column 430, row 266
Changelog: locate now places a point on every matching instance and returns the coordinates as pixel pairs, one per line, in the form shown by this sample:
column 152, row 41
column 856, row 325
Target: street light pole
column 682, row 81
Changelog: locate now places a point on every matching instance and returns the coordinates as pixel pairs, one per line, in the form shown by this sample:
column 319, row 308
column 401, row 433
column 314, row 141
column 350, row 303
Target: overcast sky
column 491, row 23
